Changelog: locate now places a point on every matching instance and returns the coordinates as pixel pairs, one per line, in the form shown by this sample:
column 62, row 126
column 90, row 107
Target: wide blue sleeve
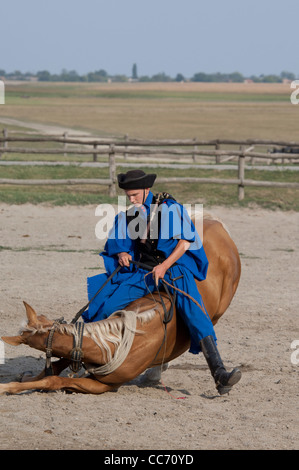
column 118, row 238
column 176, row 225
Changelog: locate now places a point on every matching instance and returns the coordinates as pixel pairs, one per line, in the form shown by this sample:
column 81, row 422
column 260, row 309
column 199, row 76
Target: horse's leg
column 58, row 367
column 51, row 383
column 153, row 374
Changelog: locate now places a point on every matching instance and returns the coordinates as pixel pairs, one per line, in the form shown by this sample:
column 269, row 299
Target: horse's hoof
column 21, row 377
column 153, row 375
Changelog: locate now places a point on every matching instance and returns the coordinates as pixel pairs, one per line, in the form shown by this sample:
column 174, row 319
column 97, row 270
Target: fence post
column 95, row 155
column 195, row 148
column 217, row 147
column 5, row 143
column 5, row 135
column 65, row 144
column 125, row 154
column 241, row 174
column 112, row 171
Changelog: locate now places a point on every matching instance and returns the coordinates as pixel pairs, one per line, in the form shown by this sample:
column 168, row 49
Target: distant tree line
column 103, row 76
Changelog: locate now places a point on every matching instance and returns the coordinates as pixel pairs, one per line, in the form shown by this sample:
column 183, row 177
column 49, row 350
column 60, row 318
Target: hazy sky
column 171, row 36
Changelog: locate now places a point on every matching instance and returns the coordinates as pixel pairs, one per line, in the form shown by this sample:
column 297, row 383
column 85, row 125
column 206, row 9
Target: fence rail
column 126, row 141
column 126, row 146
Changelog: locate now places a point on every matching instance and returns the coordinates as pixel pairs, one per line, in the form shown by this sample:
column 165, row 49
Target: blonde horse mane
column 120, row 333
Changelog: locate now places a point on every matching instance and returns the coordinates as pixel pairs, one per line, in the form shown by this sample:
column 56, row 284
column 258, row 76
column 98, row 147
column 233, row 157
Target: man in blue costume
column 158, row 232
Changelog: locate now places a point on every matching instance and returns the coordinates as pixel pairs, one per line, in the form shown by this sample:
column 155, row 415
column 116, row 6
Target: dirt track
column 46, row 255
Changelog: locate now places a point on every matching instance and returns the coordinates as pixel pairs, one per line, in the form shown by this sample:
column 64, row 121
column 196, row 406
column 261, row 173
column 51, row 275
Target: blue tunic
column 129, row 283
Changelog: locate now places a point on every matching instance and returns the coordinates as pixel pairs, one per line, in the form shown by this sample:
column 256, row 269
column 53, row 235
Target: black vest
column 147, row 247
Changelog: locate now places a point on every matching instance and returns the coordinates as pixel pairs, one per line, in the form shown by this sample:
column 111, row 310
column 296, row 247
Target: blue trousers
column 122, row 290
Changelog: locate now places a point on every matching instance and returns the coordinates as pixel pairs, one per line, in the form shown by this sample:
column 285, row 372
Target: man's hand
column 124, row 258
column 159, row 272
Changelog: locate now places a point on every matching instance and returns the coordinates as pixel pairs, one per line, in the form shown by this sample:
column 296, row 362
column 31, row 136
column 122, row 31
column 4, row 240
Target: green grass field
column 170, row 110
column 208, row 194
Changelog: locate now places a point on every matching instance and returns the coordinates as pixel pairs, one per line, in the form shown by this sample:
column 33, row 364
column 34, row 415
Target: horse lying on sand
column 118, row 349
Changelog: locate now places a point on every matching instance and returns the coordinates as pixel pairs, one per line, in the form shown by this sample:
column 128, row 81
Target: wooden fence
column 174, row 149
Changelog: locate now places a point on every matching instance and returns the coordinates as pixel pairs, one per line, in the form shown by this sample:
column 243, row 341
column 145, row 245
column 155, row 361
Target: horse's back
column 224, row 268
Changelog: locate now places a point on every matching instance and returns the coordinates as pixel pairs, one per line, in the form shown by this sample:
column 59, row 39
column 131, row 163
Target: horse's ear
column 13, row 340
column 31, row 314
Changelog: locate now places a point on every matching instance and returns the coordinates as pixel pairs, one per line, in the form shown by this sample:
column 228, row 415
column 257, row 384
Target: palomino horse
column 120, row 348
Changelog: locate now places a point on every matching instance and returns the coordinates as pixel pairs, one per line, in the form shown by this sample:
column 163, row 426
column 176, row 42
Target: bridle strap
column 48, row 366
column 77, row 352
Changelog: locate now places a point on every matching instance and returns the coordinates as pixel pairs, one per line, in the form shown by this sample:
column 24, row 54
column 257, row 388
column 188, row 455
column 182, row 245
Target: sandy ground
column 46, row 255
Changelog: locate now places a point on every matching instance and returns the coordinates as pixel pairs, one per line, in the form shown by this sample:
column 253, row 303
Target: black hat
column 135, row 179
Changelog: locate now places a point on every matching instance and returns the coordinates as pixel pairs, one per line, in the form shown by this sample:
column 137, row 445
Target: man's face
column 137, row 196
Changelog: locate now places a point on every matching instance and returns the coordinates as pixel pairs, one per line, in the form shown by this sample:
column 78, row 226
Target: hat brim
column 143, row 182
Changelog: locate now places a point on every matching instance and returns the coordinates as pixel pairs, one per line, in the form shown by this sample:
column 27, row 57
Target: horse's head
column 34, row 322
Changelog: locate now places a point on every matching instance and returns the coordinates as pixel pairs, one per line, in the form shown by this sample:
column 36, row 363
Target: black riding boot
column 224, row 380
